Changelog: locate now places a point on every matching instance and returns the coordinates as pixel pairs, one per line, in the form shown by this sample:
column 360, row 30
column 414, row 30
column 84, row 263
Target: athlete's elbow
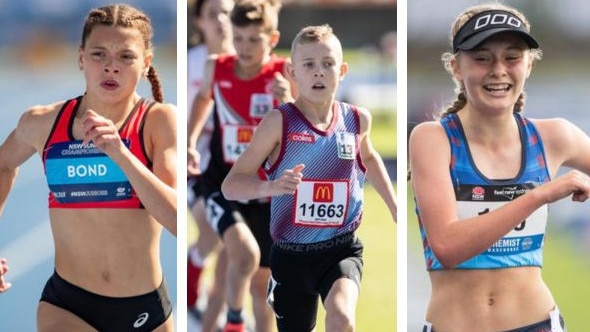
column 446, row 254
column 228, row 190
column 172, row 228
column 8, row 171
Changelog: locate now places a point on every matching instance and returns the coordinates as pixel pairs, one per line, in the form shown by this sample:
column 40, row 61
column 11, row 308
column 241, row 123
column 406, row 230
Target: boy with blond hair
column 317, row 154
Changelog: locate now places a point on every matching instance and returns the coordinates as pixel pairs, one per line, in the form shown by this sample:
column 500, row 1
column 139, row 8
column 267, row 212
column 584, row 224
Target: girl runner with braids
column 109, row 157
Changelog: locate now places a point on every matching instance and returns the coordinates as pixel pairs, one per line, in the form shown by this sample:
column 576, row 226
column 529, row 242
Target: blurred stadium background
column 38, row 65
column 367, row 30
column 371, row 43
column 558, row 87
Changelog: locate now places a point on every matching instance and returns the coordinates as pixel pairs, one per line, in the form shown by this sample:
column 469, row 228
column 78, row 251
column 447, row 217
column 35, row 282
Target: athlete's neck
column 114, row 111
column 250, row 71
column 319, row 115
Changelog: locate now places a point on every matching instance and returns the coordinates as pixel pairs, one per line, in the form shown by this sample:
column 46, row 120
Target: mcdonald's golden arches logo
column 245, row 135
column 323, row 192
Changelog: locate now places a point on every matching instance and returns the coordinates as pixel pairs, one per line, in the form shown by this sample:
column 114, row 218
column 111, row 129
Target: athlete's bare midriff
column 111, row 252
column 488, row 300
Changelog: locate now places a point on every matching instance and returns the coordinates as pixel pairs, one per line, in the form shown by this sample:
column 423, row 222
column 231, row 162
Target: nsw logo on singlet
column 82, row 173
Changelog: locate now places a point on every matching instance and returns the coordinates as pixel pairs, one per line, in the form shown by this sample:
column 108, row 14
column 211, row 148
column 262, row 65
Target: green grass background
column 566, row 271
column 377, row 306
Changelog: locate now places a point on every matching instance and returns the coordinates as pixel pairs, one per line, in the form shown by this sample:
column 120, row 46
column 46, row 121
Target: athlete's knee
column 244, row 260
column 339, row 321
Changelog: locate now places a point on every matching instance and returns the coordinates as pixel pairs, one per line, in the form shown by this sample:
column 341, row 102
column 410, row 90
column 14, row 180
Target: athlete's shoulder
column 219, row 65
column 427, row 130
column 196, row 60
column 164, row 107
column 362, row 112
column 41, row 113
column 271, row 126
column 275, row 113
column 45, row 109
column 553, row 124
column 35, row 123
column 160, row 126
column 428, row 126
column 162, row 112
column 274, row 118
column 554, row 128
column 558, row 132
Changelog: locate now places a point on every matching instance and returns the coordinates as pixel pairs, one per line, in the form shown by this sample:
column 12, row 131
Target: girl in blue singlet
column 109, row 157
column 482, row 178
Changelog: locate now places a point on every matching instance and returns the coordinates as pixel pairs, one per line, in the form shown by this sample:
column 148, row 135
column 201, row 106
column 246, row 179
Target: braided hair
column 121, row 15
column 461, row 98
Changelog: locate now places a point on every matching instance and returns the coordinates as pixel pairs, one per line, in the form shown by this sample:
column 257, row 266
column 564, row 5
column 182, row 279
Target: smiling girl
column 109, row 157
column 482, row 178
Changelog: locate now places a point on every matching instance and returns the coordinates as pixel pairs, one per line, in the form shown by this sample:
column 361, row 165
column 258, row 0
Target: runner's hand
column 4, row 285
column 289, row 181
column 281, row 88
column 574, row 183
column 193, row 160
column 102, row 132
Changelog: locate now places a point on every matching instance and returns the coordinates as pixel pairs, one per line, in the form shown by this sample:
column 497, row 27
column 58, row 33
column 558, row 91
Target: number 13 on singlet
column 321, row 203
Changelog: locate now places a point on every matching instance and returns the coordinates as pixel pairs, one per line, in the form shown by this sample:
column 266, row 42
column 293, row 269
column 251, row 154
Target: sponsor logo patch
column 301, row 137
column 478, row 193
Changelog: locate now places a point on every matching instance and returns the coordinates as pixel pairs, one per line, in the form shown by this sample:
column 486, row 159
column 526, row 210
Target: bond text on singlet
column 81, row 176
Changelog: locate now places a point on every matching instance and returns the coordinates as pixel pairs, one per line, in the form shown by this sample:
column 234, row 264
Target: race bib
column 235, row 140
column 260, row 104
column 346, row 145
column 527, row 236
column 321, row 203
column 82, row 173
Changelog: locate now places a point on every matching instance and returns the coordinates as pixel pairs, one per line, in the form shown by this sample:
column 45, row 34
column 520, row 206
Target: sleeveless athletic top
column 476, row 195
column 196, row 58
column 82, row 176
column 240, row 105
column 329, row 201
